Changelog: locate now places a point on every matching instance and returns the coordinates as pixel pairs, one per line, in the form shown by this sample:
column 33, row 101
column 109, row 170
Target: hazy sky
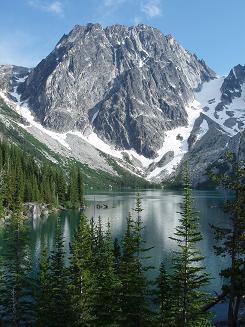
column 213, row 29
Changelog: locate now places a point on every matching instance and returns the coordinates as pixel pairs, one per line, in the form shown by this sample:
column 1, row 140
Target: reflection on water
column 160, row 218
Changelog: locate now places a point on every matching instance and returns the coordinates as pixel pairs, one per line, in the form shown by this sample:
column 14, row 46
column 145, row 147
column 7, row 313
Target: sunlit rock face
column 134, row 94
column 129, row 84
column 11, row 76
column 221, row 124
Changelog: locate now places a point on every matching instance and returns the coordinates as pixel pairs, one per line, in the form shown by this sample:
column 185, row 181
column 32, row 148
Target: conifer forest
column 105, row 281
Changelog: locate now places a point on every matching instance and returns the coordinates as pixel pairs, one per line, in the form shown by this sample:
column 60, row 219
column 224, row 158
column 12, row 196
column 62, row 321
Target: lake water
column 160, row 217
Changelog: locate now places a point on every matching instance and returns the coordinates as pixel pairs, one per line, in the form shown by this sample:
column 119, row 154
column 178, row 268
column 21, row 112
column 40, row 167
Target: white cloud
column 151, row 8
column 55, row 7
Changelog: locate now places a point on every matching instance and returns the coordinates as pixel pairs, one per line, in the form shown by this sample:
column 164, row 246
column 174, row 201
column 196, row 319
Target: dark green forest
column 24, row 179
column 104, row 283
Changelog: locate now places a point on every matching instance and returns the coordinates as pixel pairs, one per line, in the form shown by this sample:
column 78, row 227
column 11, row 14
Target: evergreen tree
column 59, row 309
column 163, row 298
column 82, row 277
column 94, row 283
column 16, row 285
column 1, row 193
column 43, row 292
column 107, row 305
column 73, row 189
column 188, row 273
column 231, row 240
column 32, row 180
column 61, row 187
column 135, row 287
column 80, row 186
column 117, row 255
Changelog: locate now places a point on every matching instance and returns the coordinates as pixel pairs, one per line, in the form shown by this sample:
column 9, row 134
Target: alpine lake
column 160, row 217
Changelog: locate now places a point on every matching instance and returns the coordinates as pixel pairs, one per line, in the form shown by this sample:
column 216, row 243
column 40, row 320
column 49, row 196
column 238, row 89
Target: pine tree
column 16, row 285
column 163, row 297
column 73, row 189
column 117, row 255
column 107, row 306
column 231, row 240
column 189, row 275
column 82, row 277
column 43, row 291
column 33, row 180
column 94, row 284
column 61, row 187
column 135, row 287
column 80, row 186
column 59, row 308
column 1, row 193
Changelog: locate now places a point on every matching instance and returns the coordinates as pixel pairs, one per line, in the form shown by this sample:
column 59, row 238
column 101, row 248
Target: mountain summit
column 128, row 95
column 128, row 84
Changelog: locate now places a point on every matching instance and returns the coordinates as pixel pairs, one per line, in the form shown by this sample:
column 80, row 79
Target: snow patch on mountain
column 25, row 112
column 230, row 120
column 176, row 140
column 203, row 129
column 210, row 96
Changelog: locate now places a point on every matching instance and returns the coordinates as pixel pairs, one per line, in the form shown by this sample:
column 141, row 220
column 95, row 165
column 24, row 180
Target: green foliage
column 96, row 179
column 59, row 307
column 25, row 180
column 82, row 278
column 231, row 240
column 16, row 285
column 75, row 188
column 52, row 299
column 94, row 284
column 188, row 275
column 135, row 291
column 42, row 294
column 163, row 299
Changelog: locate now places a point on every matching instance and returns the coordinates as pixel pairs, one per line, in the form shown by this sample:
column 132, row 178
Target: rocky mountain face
column 221, row 124
column 128, row 84
column 11, row 76
column 131, row 94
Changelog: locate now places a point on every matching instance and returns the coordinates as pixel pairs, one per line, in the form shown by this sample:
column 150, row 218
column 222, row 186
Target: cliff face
column 128, row 84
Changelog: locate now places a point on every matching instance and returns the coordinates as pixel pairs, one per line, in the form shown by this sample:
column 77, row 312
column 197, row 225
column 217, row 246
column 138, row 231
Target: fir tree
column 82, row 277
column 32, row 180
column 107, row 306
column 135, row 287
column 188, row 275
column 117, row 255
column 43, row 291
column 59, row 301
column 231, row 240
column 1, row 193
column 73, row 189
column 16, row 285
column 163, row 297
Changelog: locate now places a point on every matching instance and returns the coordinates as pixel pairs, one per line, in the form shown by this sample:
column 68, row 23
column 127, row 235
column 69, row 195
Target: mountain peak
column 129, row 84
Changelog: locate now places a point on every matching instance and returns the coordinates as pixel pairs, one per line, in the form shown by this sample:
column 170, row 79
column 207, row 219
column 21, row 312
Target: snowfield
column 210, row 96
column 176, row 140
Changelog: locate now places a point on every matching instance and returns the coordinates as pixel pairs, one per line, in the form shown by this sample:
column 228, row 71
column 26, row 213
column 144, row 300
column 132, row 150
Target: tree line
column 23, row 179
column 105, row 282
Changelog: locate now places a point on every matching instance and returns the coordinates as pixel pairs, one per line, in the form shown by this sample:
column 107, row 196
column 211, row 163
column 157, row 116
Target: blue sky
column 213, row 29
